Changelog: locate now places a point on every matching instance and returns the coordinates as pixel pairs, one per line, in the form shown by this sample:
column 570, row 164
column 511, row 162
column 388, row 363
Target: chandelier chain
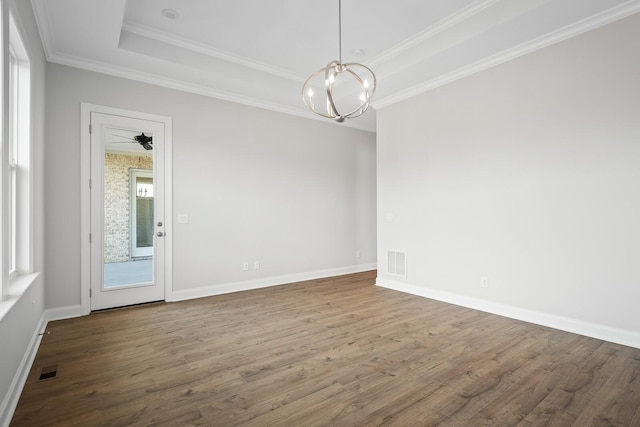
column 340, row 31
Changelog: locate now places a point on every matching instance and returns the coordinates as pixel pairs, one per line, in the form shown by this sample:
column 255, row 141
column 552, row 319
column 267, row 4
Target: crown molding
column 431, row 31
column 616, row 13
column 157, row 80
column 164, row 37
column 42, row 22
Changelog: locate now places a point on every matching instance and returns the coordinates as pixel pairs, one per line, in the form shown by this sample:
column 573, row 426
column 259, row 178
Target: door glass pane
column 144, row 212
column 128, row 209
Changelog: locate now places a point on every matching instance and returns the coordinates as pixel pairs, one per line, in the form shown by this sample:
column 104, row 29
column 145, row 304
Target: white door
column 122, row 149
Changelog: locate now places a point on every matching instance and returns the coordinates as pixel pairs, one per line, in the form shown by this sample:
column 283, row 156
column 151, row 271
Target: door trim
column 85, row 196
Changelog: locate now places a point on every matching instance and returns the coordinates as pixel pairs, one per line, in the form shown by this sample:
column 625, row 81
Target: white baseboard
column 10, row 402
column 8, row 406
column 593, row 330
column 225, row 288
column 61, row 313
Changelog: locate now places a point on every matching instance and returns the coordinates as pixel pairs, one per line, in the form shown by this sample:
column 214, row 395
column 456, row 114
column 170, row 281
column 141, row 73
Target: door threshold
column 129, row 306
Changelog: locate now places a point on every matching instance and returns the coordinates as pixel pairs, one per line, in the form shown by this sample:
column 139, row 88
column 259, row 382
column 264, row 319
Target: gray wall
column 19, row 325
column 528, row 174
column 296, row 194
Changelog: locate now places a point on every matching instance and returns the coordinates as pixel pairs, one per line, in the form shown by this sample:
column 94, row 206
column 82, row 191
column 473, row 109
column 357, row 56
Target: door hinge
column 90, row 183
column 89, row 237
column 89, row 128
column 90, row 292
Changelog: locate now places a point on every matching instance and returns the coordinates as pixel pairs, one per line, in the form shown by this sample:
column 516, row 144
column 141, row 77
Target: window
column 16, row 163
column 13, row 160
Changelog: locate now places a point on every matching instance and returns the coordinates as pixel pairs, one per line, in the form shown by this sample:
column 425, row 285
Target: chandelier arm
column 305, row 91
column 364, row 103
column 305, row 95
column 329, row 84
column 373, row 76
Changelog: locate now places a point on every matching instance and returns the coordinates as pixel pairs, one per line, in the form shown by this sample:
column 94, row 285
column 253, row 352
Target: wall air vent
column 397, row 262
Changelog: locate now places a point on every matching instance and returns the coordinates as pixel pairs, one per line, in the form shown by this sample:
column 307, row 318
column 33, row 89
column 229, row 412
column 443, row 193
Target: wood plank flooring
column 337, row 351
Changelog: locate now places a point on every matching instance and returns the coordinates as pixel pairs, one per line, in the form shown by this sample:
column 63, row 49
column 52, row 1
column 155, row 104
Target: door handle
column 159, row 234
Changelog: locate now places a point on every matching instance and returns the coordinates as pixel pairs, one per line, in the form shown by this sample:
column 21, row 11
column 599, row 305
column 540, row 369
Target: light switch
column 183, row 219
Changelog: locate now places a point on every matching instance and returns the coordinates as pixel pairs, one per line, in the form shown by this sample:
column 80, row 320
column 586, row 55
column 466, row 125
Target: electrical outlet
column 358, row 254
column 256, row 265
column 484, row 282
column 245, row 266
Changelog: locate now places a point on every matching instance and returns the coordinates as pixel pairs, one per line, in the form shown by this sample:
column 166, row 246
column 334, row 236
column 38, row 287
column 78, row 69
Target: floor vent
column 48, row 372
column 397, row 263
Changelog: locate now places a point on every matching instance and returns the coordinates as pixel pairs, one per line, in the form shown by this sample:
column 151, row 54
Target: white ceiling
column 259, row 52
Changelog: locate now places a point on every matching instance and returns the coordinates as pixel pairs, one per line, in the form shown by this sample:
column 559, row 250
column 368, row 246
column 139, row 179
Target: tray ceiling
column 259, row 52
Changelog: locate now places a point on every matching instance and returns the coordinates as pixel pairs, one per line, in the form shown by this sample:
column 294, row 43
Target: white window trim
column 17, row 182
column 24, row 228
column 12, row 161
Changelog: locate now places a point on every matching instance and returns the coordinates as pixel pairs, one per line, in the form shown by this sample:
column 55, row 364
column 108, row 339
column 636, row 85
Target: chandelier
column 339, row 91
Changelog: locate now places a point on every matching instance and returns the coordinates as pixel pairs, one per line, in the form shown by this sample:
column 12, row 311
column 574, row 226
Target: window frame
column 16, row 162
column 12, row 160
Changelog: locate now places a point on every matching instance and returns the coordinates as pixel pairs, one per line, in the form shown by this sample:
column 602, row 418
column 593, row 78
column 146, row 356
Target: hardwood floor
column 337, row 351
